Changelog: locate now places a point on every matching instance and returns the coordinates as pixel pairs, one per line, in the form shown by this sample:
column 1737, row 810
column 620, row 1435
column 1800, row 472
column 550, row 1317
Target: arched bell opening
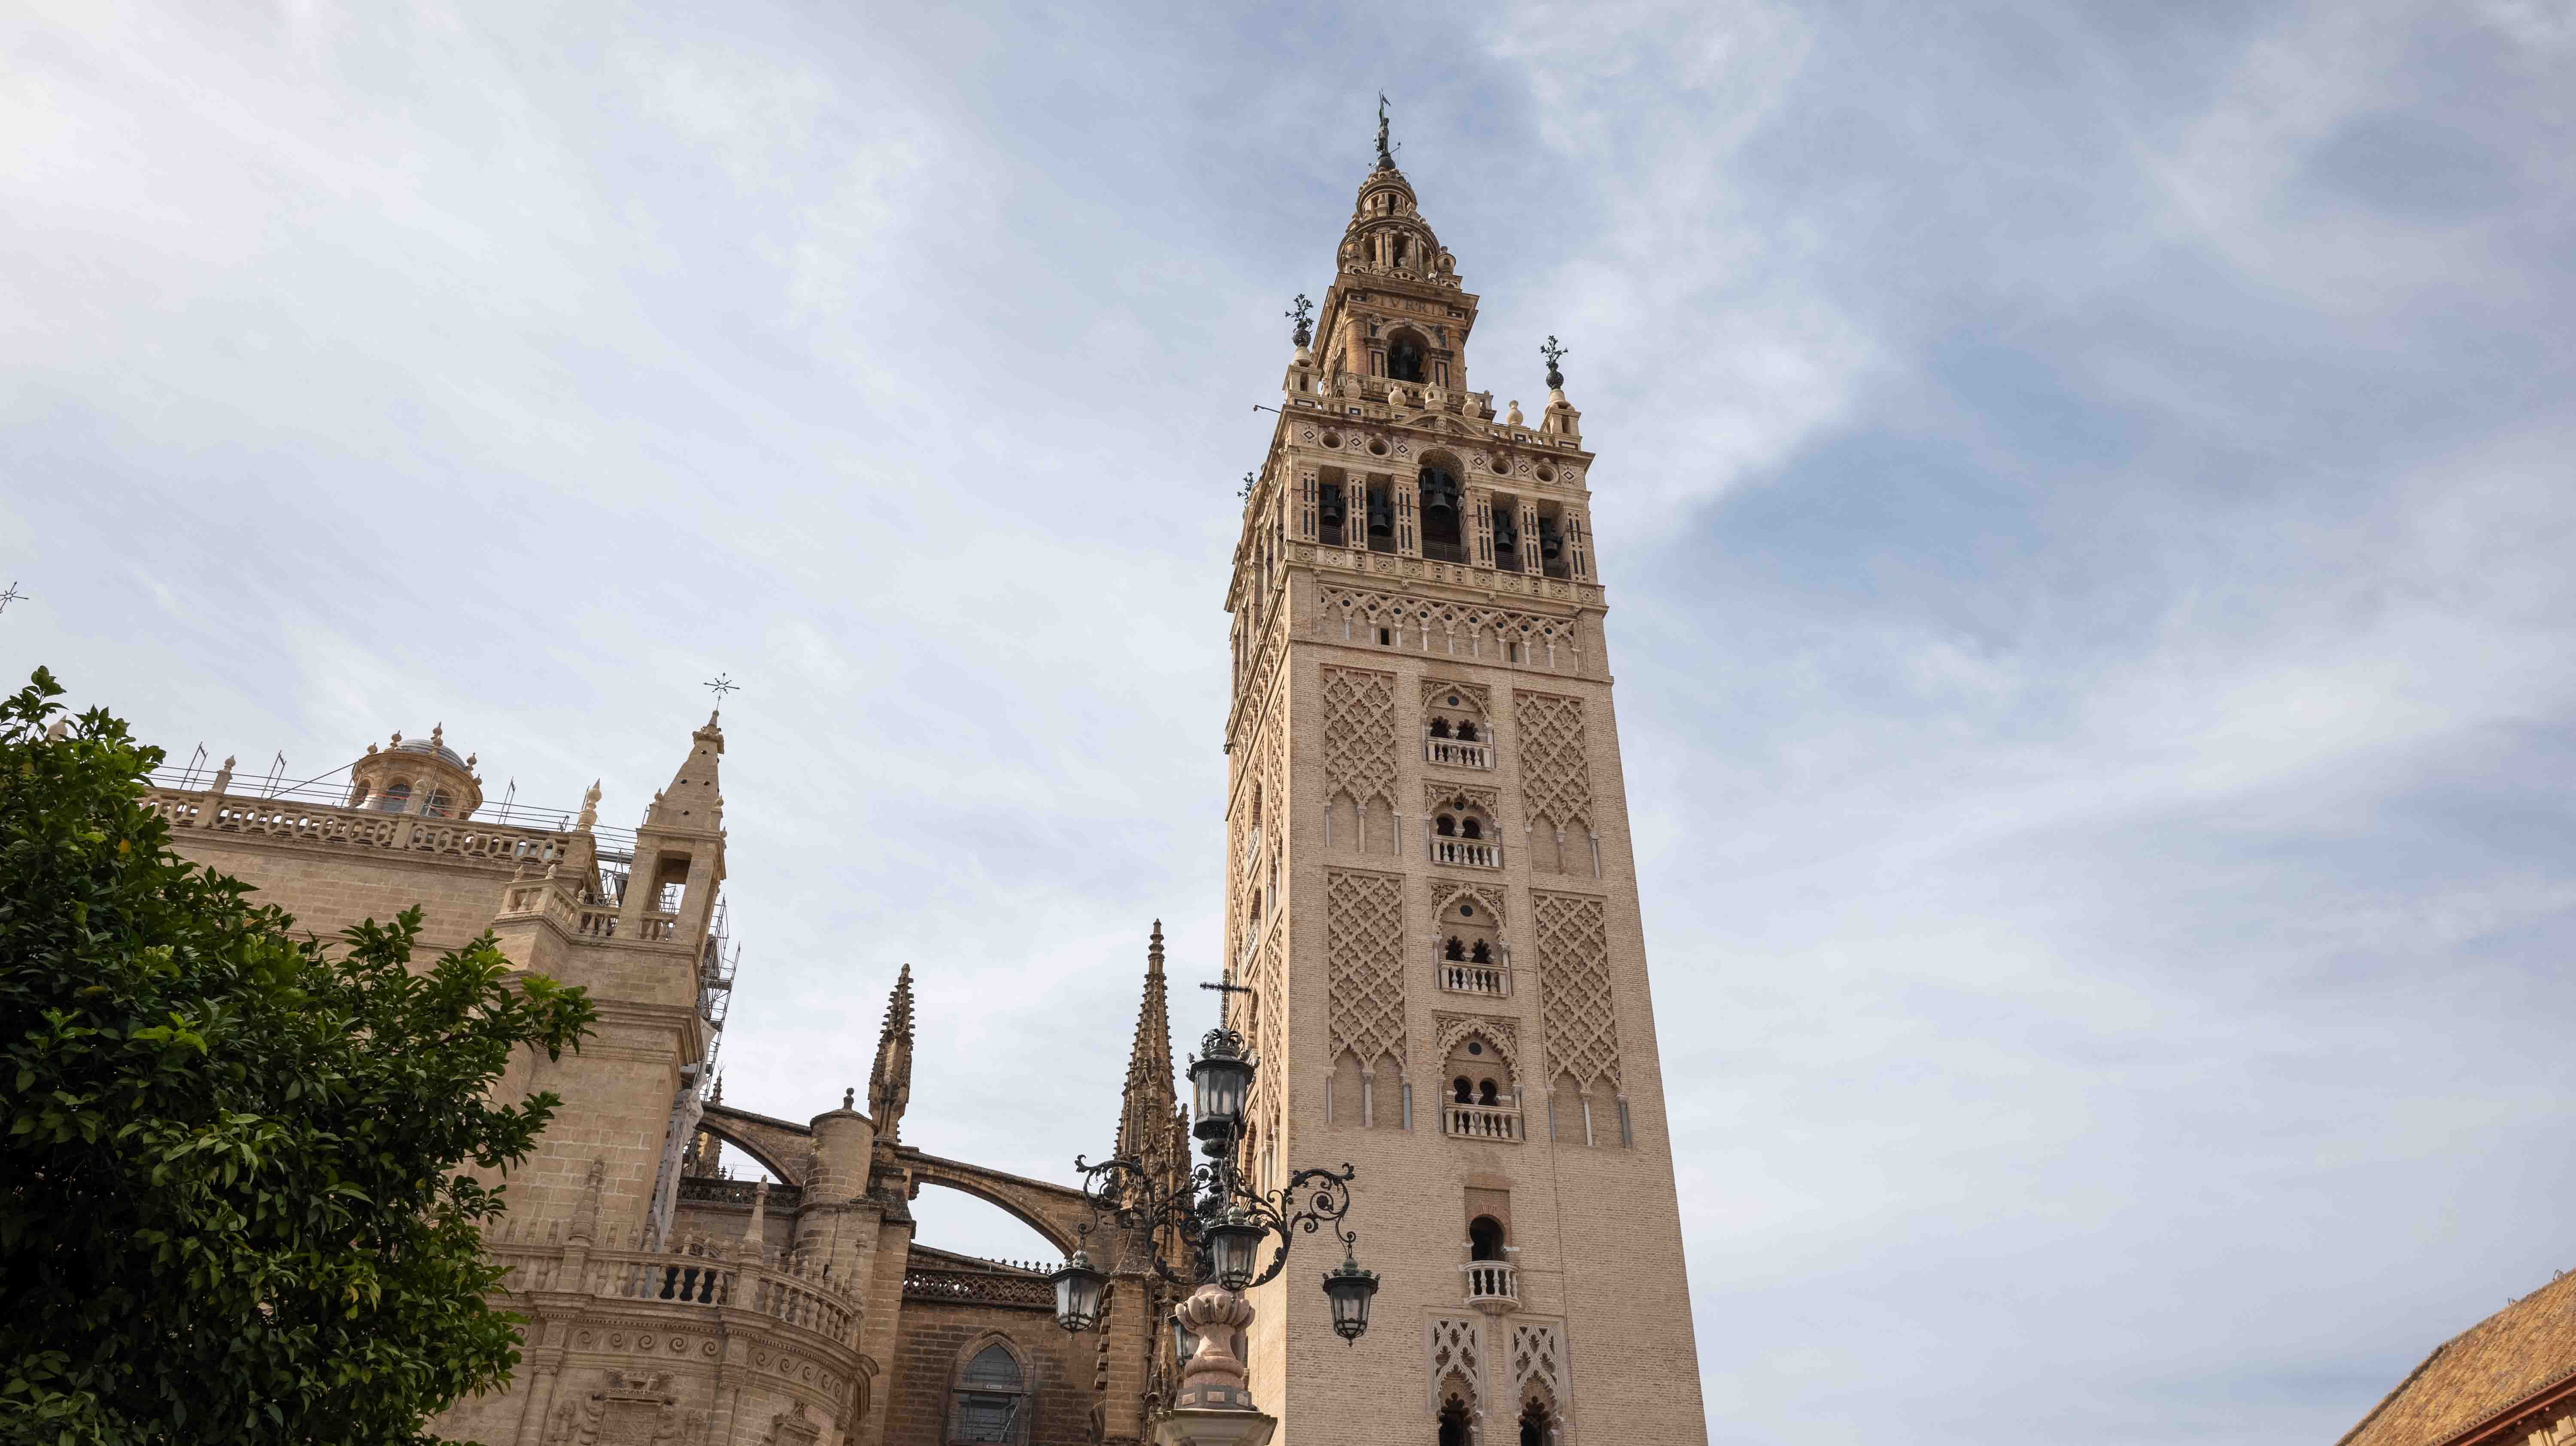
column 1444, row 527
column 1405, row 348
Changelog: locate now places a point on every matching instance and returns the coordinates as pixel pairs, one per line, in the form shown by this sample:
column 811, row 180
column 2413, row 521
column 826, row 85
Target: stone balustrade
column 1481, row 1122
column 1466, row 853
column 1493, row 1286
column 979, row 1287
column 317, row 823
column 699, row 1275
column 1456, row 753
column 1491, row 980
column 711, row 1190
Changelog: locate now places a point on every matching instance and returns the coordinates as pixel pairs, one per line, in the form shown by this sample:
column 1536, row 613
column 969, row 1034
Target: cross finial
column 11, row 594
column 721, row 685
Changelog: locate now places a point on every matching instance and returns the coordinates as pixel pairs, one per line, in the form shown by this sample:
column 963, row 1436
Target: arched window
column 1441, row 516
column 395, row 798
column 1404, row 354
column 1486, row 1094
column 1485, row 1238
column 1453, row 1423
column 986, row 1403
column 358, row 796
column 1481, row 954
column 1465, row 1092
column 1467, row 731
column 1469, row 828
column 1535, row 1423
column 437, row 805
column 1458, row 951
column 1446, row 826
column 1440, row 727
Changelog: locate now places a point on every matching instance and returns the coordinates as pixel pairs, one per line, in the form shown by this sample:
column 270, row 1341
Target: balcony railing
column 697, row 1275
column 710, row 1190
column 1469, row 853
column 1493, row 1286
column 979, row 1287
column 1481, row 1122
column 1488, row 979
column 1457, row 753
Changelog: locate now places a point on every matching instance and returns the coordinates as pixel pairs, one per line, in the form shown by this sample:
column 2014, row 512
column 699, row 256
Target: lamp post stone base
column 1198, row 1426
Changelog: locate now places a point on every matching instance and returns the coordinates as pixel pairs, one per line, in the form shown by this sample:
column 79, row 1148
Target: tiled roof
column 2519, row 1352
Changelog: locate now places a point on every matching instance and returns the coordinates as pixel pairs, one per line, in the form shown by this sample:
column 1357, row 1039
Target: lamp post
column 1221, row 1225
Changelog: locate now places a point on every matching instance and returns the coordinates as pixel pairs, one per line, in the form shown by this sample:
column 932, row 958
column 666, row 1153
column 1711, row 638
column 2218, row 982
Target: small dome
column 422, row 745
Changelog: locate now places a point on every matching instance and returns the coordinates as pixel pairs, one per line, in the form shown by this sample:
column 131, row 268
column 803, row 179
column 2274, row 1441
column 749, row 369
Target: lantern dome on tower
column 416, row 775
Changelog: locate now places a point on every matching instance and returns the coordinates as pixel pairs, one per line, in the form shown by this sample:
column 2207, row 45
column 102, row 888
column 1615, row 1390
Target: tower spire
column 890, row 1082
column 1145, row 1109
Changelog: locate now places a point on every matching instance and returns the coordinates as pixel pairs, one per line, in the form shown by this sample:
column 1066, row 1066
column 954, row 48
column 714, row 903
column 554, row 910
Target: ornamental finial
column 1554, row 354
column 1304, row 315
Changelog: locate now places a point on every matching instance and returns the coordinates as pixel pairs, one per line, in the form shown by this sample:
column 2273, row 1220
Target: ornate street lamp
column 1078, row 1288
column 1351, row 1290
column 1220, row 1078
column 1219, row 1226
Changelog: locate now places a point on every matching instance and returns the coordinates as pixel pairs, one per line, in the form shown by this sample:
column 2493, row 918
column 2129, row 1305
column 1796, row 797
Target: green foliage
column 232, row 1199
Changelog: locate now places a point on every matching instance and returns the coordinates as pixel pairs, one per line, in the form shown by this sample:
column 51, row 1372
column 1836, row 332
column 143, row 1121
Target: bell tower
column 1431, row 891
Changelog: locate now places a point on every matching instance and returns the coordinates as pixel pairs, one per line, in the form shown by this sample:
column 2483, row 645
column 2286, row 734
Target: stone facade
column 1432, row 894
column 668, row 1302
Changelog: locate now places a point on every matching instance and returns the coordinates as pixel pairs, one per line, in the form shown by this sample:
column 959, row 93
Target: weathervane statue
column 1385, row 157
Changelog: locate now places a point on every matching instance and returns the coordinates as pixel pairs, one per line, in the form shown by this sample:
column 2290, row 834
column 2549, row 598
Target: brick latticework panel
column 1574, row 988
column 1452, row 629
column 1457, row 1357
column 1359, row 734
column 1538, row 1367
column 1364, row 945
column 1556, row 772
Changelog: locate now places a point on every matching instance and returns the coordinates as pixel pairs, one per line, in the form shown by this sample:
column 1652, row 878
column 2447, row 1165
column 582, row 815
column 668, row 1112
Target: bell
column 1381, row 516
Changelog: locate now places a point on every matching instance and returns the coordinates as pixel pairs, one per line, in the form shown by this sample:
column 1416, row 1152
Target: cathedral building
column 1432, row 924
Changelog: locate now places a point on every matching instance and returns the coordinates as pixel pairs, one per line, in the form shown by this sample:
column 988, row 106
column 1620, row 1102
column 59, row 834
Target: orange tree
column 234, row 1204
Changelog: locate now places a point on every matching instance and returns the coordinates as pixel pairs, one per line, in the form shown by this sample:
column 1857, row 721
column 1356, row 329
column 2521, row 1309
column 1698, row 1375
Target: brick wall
column 935, row 1337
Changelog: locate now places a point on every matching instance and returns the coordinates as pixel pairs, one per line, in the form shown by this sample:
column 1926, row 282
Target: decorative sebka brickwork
column 1538, row 1368
column 1456, row 1353
column 1364, row 947
column 1503, row 1033
column 1359, row 735
column 1445, row 893
column 1556, row 772
column 1456, row 629
column 1575, row 1006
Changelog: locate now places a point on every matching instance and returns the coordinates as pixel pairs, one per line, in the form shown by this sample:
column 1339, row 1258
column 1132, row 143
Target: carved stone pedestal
column 1192, row 1426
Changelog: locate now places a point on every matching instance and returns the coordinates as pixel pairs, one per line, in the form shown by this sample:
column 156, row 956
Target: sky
column 2084, row 497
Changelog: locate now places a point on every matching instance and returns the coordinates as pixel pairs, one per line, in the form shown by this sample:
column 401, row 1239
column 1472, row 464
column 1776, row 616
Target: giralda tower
column 1432, row 895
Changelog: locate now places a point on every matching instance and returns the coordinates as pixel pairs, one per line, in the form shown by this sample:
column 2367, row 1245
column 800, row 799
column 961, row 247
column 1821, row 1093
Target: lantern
column 1185, row 1342
column 1219, row 1079
column 1234, row 1244
column 1350, row 1289
column 1078, row 1288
